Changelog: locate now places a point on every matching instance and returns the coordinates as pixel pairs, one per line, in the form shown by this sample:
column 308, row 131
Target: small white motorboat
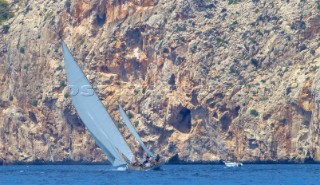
column 233, row 164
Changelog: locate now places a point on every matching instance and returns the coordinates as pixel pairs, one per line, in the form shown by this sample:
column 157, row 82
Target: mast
column 133, row 131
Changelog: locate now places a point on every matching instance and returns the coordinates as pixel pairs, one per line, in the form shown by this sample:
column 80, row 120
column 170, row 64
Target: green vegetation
column 303, row 47
column 144, row 90
column 27, row 9
column 193, row 48
column 68, row 5
column 318, row 5
column 232, row 1
column 5, row 28
column 254, row 62
column 136, row 123
column 263, row 98
column 62, row 83
column 5, row 12
column 259, row 32
column 48, row 15
column 172, row 9
column 35, row 103
column 234, row 70
column 182, row 27
column 10, row 97
column 130, row 115
column 66, row 95
column 229, row 84
column 253, row 40
column 254, row 112
column 46, row 100
column 160, row 45
column 221, row 41
column 120, row 125
column 21, row 50
column 82, row 41
column 236, row 61
column 59, row 68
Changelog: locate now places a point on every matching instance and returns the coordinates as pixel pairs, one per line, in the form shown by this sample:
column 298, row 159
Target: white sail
column 93, row 113
column 133, row 131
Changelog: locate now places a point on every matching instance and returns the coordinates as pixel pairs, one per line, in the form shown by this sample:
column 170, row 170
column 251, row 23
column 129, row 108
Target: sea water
column 290, row 174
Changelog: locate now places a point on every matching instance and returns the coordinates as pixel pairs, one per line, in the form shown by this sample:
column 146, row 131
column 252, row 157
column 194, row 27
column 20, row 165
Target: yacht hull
column 143, row 168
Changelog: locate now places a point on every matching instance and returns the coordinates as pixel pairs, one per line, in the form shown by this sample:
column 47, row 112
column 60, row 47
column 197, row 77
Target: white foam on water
column 122, row 168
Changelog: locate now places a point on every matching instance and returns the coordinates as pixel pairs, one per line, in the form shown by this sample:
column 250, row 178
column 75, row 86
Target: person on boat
column 146, row 161
column 157, row 159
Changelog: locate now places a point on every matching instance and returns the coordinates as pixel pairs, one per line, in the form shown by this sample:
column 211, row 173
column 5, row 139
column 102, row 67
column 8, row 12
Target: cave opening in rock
column 235, row 111
column 104, row 69
column 172, row 80
column 72, row 119
column 225, row 121
column 134, row 38
column 33, row 117
column 183, row 123
column 101, row 19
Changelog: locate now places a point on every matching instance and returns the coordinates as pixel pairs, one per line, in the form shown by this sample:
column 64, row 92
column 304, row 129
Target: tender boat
column 233, row 164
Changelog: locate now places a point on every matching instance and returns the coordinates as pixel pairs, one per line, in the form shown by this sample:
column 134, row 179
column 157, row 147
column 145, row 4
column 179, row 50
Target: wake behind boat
column 100, row 124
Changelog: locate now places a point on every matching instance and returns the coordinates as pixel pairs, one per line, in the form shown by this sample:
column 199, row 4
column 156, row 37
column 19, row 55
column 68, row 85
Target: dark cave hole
column 225, row 122
column 33, row 117
column 235, row 111
column 172, row 80
column 215, row 115
column 183, row 123
column 104, row 69
column 72, row 119
column 101, row 19
column 134, row 38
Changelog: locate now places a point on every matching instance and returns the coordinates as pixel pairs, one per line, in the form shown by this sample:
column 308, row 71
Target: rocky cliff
column 204, row 79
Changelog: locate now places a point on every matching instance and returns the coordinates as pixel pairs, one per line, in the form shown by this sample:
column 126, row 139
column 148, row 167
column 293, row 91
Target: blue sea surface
column 306, row 174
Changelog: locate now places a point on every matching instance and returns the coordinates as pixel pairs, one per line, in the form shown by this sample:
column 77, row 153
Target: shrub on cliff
column 255, row 62
column 130, row 115
column 21, row 50
column 136, row 123
column 34, row 103
column 68, row 5
column 233, row 2
column 254, row 112
column 5, row 28
column 5, row 12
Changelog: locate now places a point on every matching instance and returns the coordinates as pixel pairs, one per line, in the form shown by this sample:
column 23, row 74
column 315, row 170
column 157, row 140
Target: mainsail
column 93, row 113
column 133, row 131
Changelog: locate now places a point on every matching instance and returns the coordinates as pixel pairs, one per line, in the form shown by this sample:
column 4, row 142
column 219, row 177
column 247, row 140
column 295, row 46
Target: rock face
column 207, row 80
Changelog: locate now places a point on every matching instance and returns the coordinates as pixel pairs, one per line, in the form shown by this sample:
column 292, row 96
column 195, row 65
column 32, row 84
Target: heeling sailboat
column 94, row 115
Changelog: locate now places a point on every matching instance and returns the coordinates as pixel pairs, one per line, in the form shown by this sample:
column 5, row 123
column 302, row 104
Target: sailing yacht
column 98, row 121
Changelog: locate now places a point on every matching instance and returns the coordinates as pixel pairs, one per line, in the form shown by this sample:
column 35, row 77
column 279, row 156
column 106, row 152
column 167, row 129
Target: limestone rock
column 207, row 80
